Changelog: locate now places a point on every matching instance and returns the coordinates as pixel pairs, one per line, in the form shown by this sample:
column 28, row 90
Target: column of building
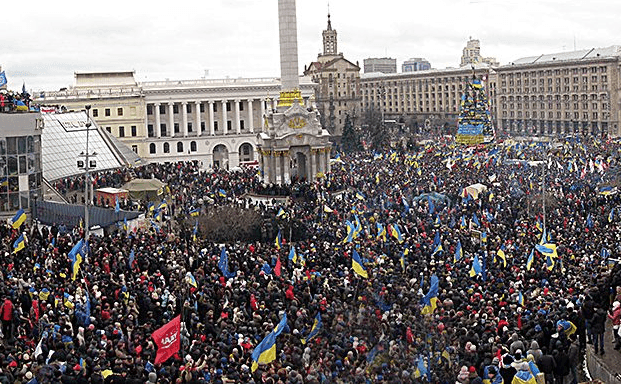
column 212, row 126
column 250, row 117
column 158, row 121
column 184, row 118
column 224, row 122
column 262, row 117
column 197, row 117
column 237, row 121
column 171, row 119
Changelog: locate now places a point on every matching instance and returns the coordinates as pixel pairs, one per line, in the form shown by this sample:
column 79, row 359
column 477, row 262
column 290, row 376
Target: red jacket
column 615, row 316
column 6, row 311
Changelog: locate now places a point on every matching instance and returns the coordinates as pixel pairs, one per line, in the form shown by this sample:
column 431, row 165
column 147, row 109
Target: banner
column 167, row 339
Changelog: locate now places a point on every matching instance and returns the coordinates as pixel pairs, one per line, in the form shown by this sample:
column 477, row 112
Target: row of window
column 188, row 108
column 558, row 105
column 176, row 127
column 557, row 89
column 555, row 72
column 166, row 147
column 133, row 131
column 559, row 115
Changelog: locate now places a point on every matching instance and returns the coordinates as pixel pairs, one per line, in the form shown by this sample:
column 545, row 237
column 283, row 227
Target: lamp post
column 86, row 165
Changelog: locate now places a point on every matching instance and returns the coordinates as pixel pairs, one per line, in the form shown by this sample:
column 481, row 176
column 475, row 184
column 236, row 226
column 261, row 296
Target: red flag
column 167, row 339
column 277, row 267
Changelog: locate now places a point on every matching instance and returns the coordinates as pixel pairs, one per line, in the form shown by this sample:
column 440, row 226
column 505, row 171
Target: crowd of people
column 413, row 278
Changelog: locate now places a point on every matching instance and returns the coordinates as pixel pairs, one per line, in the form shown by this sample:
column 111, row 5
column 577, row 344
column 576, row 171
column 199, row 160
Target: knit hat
column 152, row 377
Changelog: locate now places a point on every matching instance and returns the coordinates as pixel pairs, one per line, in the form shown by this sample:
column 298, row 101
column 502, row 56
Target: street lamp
column 87, row 165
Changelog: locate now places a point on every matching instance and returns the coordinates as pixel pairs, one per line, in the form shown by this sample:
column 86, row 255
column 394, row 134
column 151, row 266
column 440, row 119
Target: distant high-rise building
column 338, row 84
column 415, row 64
column 472, row 55
column 383, row 65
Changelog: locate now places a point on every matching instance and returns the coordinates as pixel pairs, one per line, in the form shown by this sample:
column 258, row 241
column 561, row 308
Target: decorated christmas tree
column 475, row 122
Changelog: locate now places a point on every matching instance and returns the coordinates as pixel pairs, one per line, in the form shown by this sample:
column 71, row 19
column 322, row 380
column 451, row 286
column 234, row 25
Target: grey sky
column 46, row 42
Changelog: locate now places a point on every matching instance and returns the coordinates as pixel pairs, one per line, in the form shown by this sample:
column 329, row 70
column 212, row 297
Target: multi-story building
column 383, row 65
column 415, row 64
column 338, row 85
column 20, row 162
column 214, row 121
column 562, row 93
column 426, row 98
column 471, row 55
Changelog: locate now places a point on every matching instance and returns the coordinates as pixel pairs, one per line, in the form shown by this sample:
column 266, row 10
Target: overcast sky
column 44, row 43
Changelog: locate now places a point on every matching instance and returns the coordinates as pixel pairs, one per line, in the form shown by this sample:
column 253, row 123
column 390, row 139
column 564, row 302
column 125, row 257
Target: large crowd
column 501, row 310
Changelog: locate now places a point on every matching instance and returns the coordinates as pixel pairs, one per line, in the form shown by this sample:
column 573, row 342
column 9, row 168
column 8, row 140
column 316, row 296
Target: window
column 162, row 109
column 149, row 109
column 135, row 148
column 109, row 129
column 121, row 131
column 95, row 112
column 175, row 108
column 134, row 133
column 203, row 126
column 150, row 130
column 190, row 126
column 188, row 108
column 179, row 147
column 241, row 106
column 152, row 148
column 228, row 106
column 215, row 125
column 119, row 111
column 241, row 123
column 176, row 126
column 229, row 125
column 163, row 129
column 192, row 146
column 107, row 112
column 166, row 148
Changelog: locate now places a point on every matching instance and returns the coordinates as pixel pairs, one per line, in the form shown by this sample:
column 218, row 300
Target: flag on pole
column 117, row 207
column 19, row 244
column 18, row 219
column 77, row 254
column 223, row 264
column 167, row 339
column 430, row 300
column 356, row 264
column 530, row 260
column 278, row 241
column 476, row 267
column 314, row 329
column 459, row 252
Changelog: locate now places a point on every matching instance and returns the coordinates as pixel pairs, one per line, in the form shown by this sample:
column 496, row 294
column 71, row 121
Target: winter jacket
column 598, row 322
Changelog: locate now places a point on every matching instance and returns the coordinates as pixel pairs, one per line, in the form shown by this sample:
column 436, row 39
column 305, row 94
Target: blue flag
column 2, row 78
column 223, row 264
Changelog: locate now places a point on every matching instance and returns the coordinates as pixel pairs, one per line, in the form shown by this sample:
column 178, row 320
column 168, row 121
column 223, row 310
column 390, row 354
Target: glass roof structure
column 63, row 140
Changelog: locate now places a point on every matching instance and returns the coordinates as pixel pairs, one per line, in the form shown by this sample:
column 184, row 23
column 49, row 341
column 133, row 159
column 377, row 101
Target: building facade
column 214, row 121
column 383, row 65
column 424, row 98
column 415, row 64
column 338, row 85
column 471, row 55
column 20, row 162
column 564, row 93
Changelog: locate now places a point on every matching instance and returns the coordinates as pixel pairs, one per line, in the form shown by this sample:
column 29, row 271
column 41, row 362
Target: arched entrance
column 221, row 157
column 246, row 153
column 299, row 169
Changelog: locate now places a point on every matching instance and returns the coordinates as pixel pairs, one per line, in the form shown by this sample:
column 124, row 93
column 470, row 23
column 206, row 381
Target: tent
column 475, row 190
column 145, row 189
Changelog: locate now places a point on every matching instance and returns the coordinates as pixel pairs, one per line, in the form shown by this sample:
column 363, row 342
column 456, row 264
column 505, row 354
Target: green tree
column 376, row 131
column 350, row 141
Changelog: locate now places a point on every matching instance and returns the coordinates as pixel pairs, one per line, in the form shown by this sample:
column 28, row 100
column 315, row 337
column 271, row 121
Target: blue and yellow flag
column 476, row 267
column 437, row 249
column 356, row 264
column 611, row 215
column 462, row 223
column 281, row 213
column 162, row 205
column 125, row 225
column 189, row 278
column 78, row 253
column 475, row 220
column 278, row 240
column 223, row 264
column 351, row 232
column 19, row 244
column 264, row 352
column 501, row 253
column 194, row 212
column 547, row 249
column 221, row 193
column 396, row 232
column 421, row 368
column 539, row 226
column 459, row 252
column 18, row 219
column 360, row 195
column 520, row 299
column 4, row 182
column 293, row 255
column 483, row 237
column 430, row 300
column 195, row 232
column 381, row 232
column 314, row 329
column 530, row 260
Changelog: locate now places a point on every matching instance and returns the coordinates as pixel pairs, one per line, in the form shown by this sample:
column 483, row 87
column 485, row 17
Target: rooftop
column 585, row 54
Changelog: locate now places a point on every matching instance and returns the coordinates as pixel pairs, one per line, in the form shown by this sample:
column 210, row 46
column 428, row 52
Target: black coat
column 598, row 322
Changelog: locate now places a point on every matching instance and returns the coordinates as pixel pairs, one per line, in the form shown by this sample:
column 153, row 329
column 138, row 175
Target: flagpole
column 543, row 192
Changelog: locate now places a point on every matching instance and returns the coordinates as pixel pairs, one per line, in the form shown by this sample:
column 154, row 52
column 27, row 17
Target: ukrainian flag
column 462, row 223
column 547, row 249
column 402, row 259
column 396, row 233
column 194, row 212
column 151, row 206
column 430, row 300
column 502, row 255
column 350, row 232
column 459, row 252
column 221, row 193
column 278, row 241
column 76, row 255
column 293, row 255
column 530, row 260
column 381, row 232
column 524, row 377
column 18, row 219
column 125, row 226
column 421, row 368
column 281, row 213
column 438, row 249
column 4, row 182
column 191, row 280
column 539, row 226
column 611, row 215
column 44, row 294
column 360, row 196
column 195, row 231
column 314, row 330
column 475, row 220
column 549, row 262
column 19, row 244
column 483, row 237
column 566, row 326
column 162, row 205
column 356, row 264
column 476, row 267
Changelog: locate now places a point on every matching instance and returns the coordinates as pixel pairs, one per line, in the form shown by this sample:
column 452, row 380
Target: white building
column 215, row 121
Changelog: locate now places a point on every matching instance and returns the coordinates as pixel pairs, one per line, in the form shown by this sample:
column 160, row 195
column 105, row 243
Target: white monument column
column 237, row 122
column 171, row 119
column 224, row 125
column 158, row 120
column 197, row 117
column 288, row 32
column 184, row 118
column 250, row 117
column 211, row 122
column 262, row 117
